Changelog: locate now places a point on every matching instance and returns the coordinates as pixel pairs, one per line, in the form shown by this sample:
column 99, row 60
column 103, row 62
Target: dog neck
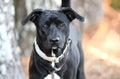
column 53, row 58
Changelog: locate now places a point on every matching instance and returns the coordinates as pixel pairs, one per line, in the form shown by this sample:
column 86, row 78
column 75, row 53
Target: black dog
column 57, row 52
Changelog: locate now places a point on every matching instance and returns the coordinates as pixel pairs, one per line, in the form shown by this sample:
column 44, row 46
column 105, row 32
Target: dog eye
column 45, row 25
column 62, row 25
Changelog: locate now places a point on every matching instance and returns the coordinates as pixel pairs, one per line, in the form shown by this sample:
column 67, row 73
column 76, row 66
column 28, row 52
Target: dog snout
column 55, row 40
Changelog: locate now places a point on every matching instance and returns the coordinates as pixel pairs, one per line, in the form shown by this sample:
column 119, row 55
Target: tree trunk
column 10, row 65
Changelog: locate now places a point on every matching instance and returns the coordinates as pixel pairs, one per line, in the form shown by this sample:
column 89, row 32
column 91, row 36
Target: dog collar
column 52, row 59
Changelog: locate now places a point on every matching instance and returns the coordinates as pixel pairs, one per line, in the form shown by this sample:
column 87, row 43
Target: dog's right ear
column 33, row 16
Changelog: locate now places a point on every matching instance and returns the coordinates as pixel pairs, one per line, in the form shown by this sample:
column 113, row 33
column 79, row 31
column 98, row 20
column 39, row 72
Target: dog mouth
column 56, row 47
column 56, row 51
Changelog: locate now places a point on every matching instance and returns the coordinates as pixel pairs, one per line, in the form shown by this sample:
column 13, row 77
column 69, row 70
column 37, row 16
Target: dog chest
column 52, row 76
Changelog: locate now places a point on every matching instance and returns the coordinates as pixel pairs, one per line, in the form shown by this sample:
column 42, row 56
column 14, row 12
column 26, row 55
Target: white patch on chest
column 49, row 76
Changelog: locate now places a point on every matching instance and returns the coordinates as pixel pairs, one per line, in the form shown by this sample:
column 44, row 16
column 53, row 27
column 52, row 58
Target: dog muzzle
column 53, row 58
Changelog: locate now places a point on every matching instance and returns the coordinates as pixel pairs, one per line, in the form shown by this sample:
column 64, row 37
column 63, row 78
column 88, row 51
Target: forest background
column 100, row 36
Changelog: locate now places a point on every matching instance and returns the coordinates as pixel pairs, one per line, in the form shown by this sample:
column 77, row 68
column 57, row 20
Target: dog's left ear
column 71, row 14
column 32, row 16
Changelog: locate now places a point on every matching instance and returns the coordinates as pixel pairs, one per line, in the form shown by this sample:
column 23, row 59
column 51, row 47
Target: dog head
column 52, row 26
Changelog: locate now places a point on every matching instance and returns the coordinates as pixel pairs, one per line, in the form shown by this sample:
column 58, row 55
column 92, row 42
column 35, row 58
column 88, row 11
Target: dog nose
column 55, row 40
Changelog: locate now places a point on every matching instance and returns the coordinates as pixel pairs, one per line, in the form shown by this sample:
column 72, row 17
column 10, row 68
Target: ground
column 101, row 45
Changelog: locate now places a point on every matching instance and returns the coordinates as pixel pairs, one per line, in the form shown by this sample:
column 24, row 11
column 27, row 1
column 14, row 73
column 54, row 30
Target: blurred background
column 100, row 36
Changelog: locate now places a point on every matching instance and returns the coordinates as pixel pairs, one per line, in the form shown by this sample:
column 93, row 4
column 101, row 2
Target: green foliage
column 115, row 4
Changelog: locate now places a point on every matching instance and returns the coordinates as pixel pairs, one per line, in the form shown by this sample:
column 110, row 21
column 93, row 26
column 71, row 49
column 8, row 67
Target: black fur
column 51, row 25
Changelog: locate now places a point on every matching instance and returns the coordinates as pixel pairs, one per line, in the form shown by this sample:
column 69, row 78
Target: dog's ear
column 71, row 14
column 33, row 16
